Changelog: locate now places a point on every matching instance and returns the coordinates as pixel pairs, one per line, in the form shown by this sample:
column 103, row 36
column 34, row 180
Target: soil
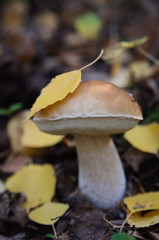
column 32, row 52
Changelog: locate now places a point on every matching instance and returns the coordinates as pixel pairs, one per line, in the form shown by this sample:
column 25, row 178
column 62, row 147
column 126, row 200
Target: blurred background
column 40, row 39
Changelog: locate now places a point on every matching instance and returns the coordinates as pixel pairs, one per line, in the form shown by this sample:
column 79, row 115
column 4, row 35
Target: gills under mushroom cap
column 94, row 108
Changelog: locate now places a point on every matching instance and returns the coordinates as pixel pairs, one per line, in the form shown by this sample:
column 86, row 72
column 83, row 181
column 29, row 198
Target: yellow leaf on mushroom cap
column 144, row 137
column 56, row 90
column 37, row 182
column 143, row 209
column 59, row 88
column 48, row 211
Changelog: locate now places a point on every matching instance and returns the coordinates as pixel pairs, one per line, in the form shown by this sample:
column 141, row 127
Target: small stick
column 148, row 55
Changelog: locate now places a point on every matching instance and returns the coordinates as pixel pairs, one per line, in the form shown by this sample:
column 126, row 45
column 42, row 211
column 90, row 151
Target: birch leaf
column 48, row 211
column 143, row 209
column 132, row 44
column 56, row 90
column 34, row 138
column 141, row 219
column 37, row 182
column 26, row 137
column 144, row 137
column 59, row 88
column 122, row 47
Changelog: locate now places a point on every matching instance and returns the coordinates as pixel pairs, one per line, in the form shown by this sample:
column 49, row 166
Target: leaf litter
column 24, row 73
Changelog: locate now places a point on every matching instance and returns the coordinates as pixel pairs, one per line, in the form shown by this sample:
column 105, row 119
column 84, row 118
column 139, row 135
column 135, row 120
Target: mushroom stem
column 101, row 176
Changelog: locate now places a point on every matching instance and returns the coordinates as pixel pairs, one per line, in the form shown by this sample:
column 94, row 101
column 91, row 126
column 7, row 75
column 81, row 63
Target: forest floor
column 39, row 40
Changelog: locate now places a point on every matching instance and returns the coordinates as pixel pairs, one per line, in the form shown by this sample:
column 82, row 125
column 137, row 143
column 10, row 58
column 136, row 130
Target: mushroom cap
column 94, row 108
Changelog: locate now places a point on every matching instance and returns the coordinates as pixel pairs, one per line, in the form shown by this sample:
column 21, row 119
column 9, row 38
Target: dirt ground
column 38, row 41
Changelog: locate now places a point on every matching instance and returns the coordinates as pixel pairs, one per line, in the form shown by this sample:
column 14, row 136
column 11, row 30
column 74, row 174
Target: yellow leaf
column 34, row 138
column 138, row 206
column 113, row 54
column 37, row 182
column 144, row 137
column 140, row 69
column 132, row 44
column 59, row 88
column 56, row 90
column 48, row 211
column 141, row 219
column 121, row 47
column 142, row 202
column 26, row 137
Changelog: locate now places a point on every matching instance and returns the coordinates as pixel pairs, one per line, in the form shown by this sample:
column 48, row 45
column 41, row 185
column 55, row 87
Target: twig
column 111, row 224
column 148, row 55
column 139, row 184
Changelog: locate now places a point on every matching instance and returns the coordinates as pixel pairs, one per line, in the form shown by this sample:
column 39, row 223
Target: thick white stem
column 101, row 176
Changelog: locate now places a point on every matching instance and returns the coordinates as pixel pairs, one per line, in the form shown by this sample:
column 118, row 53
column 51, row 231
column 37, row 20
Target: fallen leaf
column 143, row 209
column 132, row 44
column 144, row 137
column 32, row 137
column 140, row 69
column 121, row 47
column 121, row 79
column 142, row 202
column 26, row 137
column 48, row 211
column 37, row 182
column 56, row 90
column 46, row 23
column 14, row 17
column 141, row 219
column 88, row 25
column 113, row 54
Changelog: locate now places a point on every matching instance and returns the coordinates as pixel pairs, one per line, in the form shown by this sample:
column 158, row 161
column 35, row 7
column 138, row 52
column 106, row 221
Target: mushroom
column 91, row 113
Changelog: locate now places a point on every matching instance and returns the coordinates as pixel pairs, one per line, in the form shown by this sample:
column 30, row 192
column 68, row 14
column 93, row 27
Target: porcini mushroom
column 91, row 113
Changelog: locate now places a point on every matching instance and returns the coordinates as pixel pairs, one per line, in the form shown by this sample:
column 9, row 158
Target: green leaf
column 122, row 236
column 12, row 108
column 15, row 107
column 49, row 235
column 88, row 25
column 3, row 111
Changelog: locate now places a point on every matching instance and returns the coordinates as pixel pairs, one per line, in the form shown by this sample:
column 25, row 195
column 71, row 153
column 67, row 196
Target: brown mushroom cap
column 94, row 108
